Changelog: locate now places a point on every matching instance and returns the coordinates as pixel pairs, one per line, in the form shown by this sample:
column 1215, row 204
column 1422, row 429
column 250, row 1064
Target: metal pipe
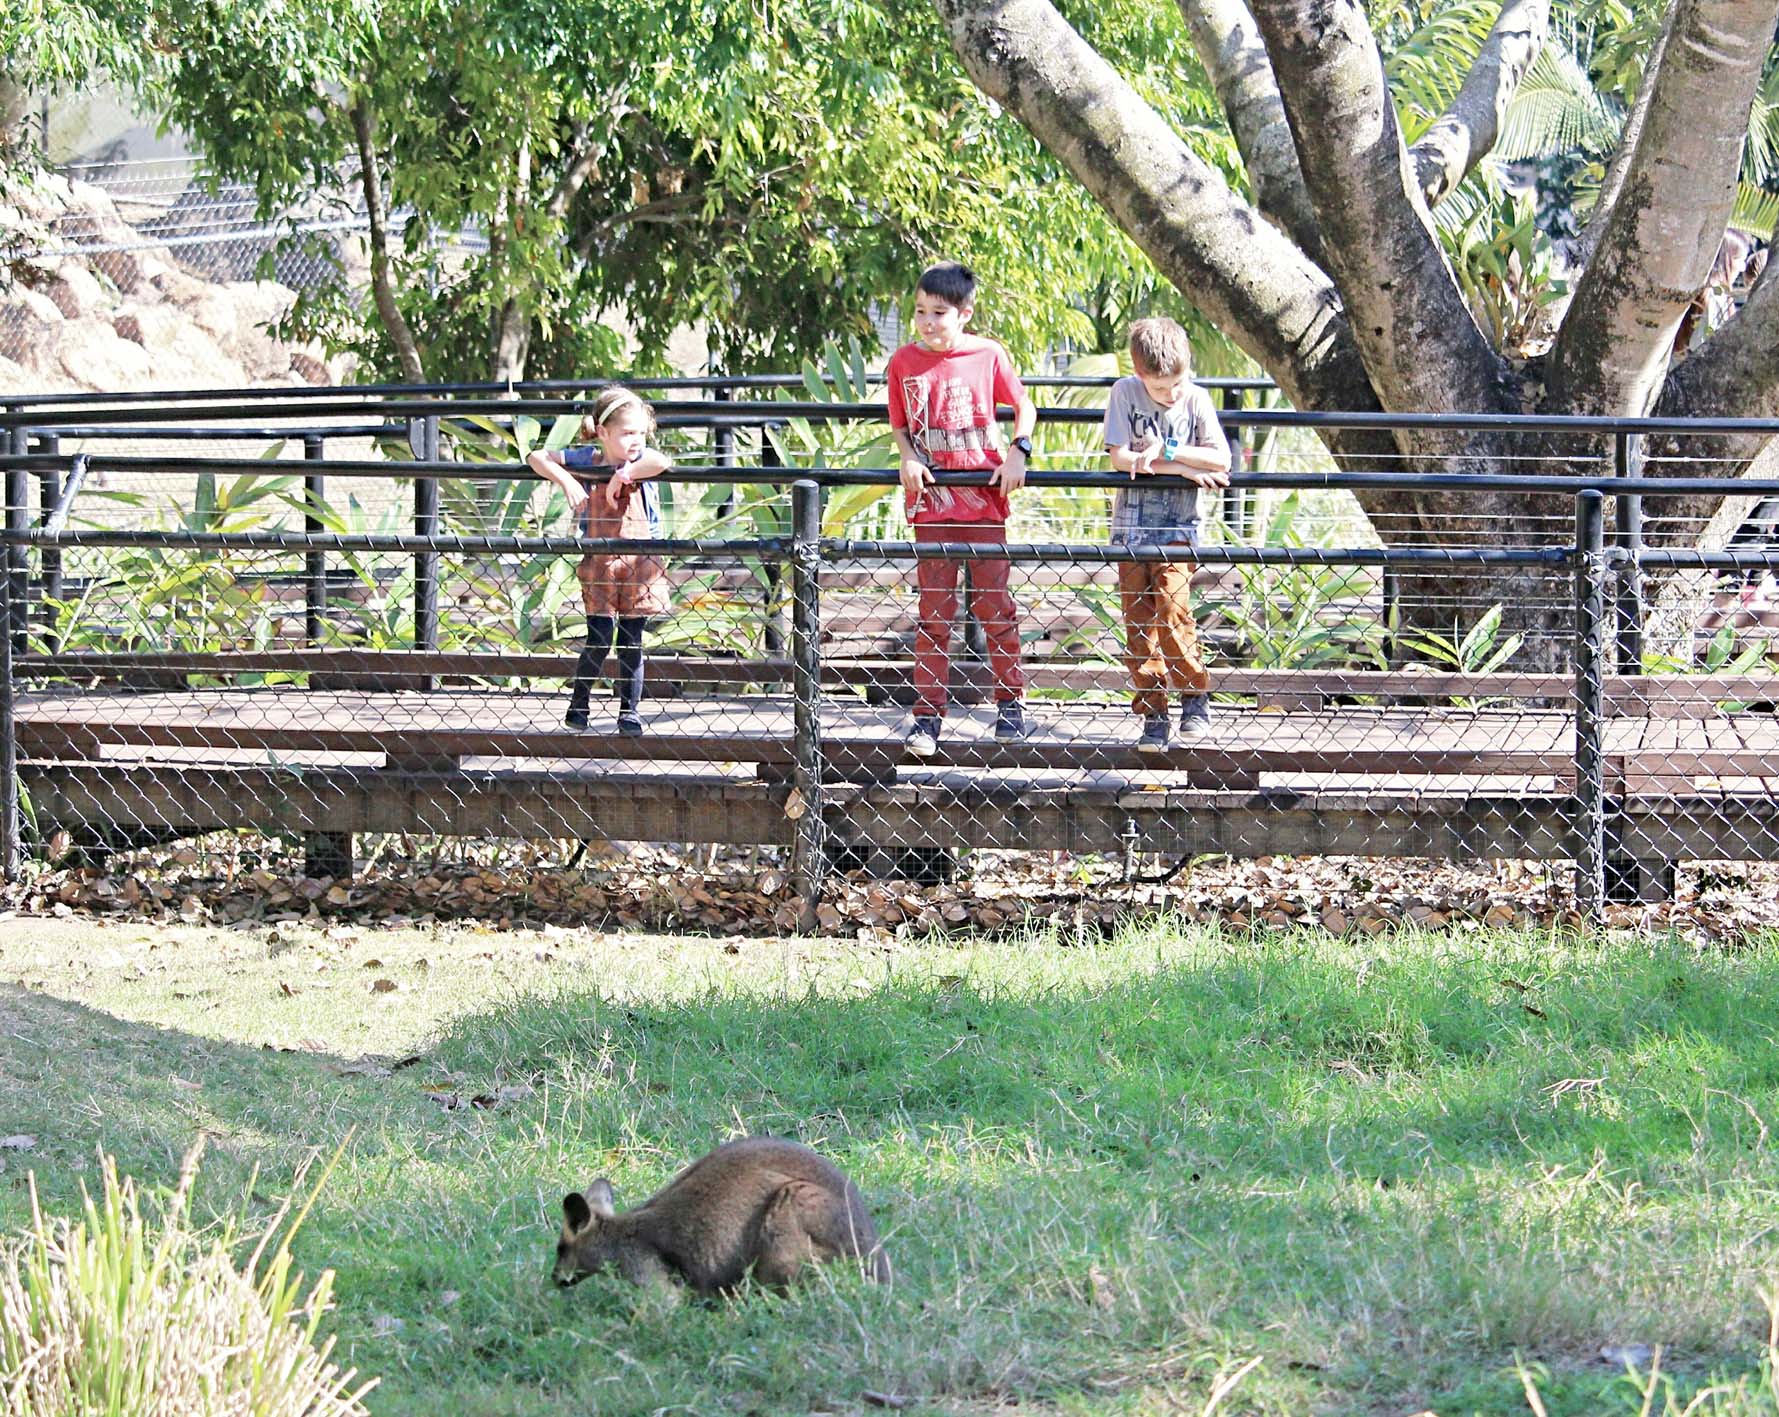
column 805, row 808
column 1590, row 654
column 715, row 383
column 886, row 477
column 57, row 517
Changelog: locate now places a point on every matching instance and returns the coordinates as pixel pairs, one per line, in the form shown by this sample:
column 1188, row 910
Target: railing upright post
column 725, row 447
column 1628, row 533
column 18, row 514
column 423, row 437
column 809, row 846
column 315, row 562
column 1590, row 656
column 774, row 624
column 11, row 852
column 49, row 492
column 1235, row 518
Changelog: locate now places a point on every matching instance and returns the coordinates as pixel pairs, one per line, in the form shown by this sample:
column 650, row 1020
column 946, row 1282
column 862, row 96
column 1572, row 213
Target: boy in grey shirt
column 1160, row 422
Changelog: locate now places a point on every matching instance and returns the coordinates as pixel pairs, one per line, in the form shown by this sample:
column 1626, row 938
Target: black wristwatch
column 1024, row 444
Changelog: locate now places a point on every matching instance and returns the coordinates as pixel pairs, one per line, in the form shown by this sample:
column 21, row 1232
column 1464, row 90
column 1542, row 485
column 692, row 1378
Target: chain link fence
column 344, row 628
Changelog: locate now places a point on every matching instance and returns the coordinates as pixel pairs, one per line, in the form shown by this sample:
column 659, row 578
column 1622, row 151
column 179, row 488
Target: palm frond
column 1756, row 210
column 1556, row 108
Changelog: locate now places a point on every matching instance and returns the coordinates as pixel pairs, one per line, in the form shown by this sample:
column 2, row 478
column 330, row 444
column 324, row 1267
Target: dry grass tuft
column 104, row 1316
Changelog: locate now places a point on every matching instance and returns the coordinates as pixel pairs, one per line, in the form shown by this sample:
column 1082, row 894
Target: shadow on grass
column 1384, row 1173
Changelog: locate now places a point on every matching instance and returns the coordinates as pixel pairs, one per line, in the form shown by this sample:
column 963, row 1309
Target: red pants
column 938, row 605
column 1161, row 637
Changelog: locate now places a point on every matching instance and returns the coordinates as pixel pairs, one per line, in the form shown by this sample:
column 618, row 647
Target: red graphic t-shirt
column 947, row 404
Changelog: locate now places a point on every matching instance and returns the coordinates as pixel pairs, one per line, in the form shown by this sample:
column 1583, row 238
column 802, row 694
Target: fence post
column 315, row 563
column 1627, row 458
column 423, row 438
column 1590, row 654
column 809, row 846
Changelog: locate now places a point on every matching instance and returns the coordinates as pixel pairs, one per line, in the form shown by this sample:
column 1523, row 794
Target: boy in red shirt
column 943, row 389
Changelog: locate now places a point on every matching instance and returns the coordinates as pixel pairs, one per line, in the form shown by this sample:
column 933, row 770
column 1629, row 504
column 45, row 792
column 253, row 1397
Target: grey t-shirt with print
column 1154, row 516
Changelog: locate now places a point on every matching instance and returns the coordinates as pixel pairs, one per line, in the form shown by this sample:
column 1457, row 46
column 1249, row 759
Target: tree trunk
column 1351, row 305
column 395, row 324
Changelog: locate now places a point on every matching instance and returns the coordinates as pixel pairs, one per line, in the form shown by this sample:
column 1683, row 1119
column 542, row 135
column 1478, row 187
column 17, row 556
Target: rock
column 215, row 314
column 308, row 368
column 76, row 291
column 92, row 354
column 183, row 355
column 30, row 330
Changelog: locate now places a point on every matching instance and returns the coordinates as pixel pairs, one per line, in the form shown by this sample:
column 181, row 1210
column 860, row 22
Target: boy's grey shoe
column 1011, row 723
column 629, row 724
column 1155, row 734
column 923, row 739
column 1195, row 715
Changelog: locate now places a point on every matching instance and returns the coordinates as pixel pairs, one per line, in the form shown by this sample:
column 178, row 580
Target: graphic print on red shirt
column 947, row 401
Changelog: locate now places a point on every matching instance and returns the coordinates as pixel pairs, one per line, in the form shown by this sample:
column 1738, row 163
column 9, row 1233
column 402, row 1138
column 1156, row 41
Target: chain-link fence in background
column 359, row 636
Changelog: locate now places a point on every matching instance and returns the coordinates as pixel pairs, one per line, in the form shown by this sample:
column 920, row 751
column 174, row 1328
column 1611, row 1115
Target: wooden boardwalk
column 1421, row 781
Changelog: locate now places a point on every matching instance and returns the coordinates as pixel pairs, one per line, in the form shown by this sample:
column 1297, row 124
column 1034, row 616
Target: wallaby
column 759, row 1204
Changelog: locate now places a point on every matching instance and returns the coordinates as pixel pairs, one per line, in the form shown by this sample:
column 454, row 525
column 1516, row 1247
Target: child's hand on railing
column 617, row 491
column 916, row 477
column 1205, row 476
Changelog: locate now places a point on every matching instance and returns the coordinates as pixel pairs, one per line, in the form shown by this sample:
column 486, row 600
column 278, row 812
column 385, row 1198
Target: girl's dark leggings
column 601, row 632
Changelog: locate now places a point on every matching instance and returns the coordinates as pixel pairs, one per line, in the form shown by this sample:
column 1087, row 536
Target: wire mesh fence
column 354, row 627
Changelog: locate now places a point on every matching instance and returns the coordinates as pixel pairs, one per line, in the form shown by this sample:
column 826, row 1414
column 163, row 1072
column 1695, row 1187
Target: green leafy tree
column 778, row 174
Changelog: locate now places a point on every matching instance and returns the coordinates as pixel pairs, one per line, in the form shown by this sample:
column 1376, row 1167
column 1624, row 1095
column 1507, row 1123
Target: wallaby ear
column 599, row 1198
column 575, row 1211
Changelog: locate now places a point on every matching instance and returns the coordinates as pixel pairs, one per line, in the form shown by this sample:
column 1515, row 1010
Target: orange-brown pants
column 1161, row 637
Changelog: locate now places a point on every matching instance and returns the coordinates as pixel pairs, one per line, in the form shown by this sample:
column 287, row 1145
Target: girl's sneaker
column 1155, row 734
column 923, row 739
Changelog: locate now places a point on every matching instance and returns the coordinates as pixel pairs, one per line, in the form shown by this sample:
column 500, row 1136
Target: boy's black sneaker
column 1155, row 734
column 1011, row 723
column 1195, row 715
column 923, row 738
column 576, row 718
column 629, row 725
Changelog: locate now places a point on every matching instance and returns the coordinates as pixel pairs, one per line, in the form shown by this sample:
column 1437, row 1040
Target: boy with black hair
column 943, row 389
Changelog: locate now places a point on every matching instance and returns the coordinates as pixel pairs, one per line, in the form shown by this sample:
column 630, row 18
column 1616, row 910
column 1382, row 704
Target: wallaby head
column 588, row 1243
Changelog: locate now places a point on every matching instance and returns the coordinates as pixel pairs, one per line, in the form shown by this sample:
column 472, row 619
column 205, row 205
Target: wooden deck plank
column 1650, row 755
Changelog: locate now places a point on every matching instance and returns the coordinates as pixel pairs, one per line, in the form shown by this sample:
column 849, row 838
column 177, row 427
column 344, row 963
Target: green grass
column 1107, row 1174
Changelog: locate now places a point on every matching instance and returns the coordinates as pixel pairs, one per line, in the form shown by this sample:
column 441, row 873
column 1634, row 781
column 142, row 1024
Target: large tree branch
column 1459, row 137
column 1239, row 270
column 1419, row 341
column 382, row 286
column 1229, row 46
column 1662, row 231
